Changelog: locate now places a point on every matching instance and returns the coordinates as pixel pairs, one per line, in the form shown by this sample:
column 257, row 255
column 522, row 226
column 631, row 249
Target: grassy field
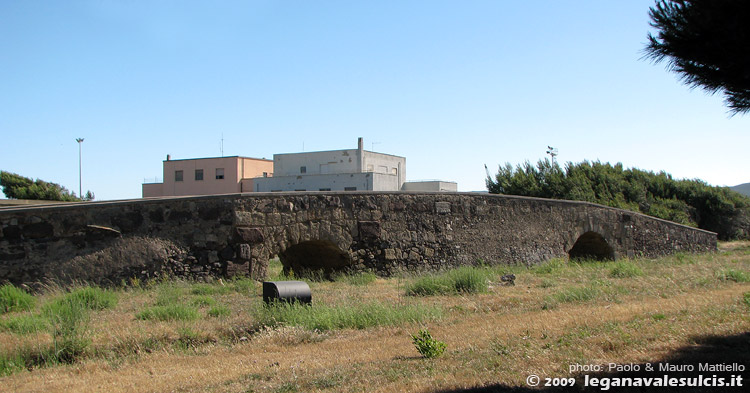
column 358, row 336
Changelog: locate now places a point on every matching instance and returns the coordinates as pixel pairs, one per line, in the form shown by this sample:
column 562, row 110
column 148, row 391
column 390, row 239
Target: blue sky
column 450, row 85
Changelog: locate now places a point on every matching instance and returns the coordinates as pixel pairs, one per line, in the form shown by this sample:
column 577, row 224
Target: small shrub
column 625, row 270
column 174, row 312
column 14, row 299
column 426, row 345
column 733, row 275
column 219, row 311
column 746, row 299
column 550, row 266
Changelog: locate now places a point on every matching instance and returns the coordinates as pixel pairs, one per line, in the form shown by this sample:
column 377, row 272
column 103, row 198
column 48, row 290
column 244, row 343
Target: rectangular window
column 199, row 174
column 219, row 173
column 303, row 169
column 325, row 189
column 265, row 174
column 301, row 190
column 350, row 188
column 177, row 175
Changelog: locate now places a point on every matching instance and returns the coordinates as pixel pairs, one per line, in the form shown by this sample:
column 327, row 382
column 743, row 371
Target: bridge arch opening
column 314, row 257
column 592, row 245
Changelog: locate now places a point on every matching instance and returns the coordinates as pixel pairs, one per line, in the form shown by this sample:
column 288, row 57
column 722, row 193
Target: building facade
column 335, row 170
column 209, row 176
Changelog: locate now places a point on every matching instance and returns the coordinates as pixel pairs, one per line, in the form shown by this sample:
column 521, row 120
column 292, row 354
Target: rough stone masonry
column 226, row 235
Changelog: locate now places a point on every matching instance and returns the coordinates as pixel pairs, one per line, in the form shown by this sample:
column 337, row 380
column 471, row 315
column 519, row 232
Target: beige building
column 207, row 176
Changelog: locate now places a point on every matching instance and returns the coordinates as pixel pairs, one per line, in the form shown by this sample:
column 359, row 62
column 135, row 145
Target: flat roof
column 214, row 158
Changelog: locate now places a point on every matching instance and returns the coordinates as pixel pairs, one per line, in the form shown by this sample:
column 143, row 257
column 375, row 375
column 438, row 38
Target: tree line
column 689, row 202
column 18, row 187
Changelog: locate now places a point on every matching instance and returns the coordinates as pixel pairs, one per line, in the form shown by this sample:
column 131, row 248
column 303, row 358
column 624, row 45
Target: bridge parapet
column 224, row 235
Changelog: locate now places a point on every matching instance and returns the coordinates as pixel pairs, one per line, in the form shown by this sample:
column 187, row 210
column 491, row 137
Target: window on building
column 219, row 173
column 303, row 169
column 199, row 174
column 301, row 189
column 350, row 188
column 325, row 189
column 177, row 175
column 265, row 174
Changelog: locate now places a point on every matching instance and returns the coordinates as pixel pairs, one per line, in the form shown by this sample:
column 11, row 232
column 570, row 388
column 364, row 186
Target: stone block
column 442, row 207
column 249, row 235
column 244, row 252
column 369, row 230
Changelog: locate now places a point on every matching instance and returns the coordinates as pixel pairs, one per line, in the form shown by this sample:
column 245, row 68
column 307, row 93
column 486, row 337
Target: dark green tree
column 18, row 187
column 707, row 43
column 689, row 202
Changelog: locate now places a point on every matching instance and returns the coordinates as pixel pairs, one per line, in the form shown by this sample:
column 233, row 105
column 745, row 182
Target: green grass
column 625, row 269
column 24, row 324
column 576, row 294
column 174, row 312
column 14, row 299
column 203, row 301
column 358, row 279
column 219, row 311
column 207, row 289
column 462, row 280
column 746, row 299
column 359, row 316
column 733, row 275
column 91, row 298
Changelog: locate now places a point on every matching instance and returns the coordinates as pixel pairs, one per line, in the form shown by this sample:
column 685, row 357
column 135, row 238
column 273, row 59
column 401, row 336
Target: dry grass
column 498, row 337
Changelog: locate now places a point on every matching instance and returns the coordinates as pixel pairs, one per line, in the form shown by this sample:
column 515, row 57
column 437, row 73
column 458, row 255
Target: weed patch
column 24, row 324
column 625, row 270
column 174, row 312
column 360, row 316
column 733, row 275
column 461, row 280
column 14, row 299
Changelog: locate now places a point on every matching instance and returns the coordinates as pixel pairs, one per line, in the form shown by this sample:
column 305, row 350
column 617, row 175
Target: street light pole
column 80, row 188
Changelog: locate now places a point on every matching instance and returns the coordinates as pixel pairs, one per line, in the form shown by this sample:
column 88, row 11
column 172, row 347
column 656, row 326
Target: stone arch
column 312, row 256
column 592, row 245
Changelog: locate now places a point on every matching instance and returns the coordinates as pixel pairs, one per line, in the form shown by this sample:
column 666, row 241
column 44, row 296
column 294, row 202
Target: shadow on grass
column 711, row 350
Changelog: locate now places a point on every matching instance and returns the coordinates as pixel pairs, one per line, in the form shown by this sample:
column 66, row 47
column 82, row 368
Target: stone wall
column 224, row 235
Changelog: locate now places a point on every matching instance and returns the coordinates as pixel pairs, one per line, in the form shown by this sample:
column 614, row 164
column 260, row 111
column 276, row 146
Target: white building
column 335, row 170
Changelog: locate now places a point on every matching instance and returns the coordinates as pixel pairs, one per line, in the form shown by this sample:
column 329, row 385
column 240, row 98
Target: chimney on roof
column 168, row 157
column 360, row 144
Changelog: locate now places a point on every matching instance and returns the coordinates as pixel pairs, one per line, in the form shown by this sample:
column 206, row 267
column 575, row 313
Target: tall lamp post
column 80, row 188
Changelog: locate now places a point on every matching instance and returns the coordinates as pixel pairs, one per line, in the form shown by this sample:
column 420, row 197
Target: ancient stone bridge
column 224, row 235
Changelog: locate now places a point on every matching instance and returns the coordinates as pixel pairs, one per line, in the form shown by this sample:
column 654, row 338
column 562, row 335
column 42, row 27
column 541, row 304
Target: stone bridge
column 225, row 235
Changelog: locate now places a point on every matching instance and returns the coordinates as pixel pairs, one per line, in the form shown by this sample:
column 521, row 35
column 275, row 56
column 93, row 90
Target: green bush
column 359, row 316
column 174, row 312
column 746, row 299
column 14, row 299
column 625, row 270
column 426, row 345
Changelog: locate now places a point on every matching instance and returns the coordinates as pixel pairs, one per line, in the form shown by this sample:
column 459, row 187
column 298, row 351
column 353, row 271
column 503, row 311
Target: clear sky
column 450, row 85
